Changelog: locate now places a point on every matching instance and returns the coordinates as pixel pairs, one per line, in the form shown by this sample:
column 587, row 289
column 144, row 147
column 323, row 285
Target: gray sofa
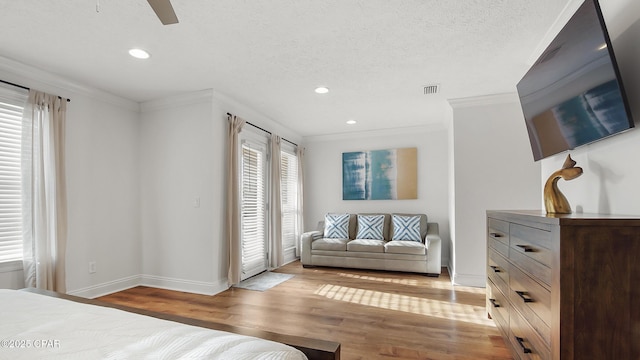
column 386, row 254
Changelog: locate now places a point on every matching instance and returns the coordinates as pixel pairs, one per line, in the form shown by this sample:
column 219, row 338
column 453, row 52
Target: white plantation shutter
column 289, row 198
column 253, row 210
column 12, row 101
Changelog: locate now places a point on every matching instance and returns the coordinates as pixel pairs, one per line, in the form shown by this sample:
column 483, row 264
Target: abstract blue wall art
column 380, row 174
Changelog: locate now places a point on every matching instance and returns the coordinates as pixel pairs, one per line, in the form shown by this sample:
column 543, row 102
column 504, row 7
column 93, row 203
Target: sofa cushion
column 336, row 226
column 369, row 255
column 406, row 228
column 370, row 227
column 366, row 245
column 330, row 244
column 405, row 247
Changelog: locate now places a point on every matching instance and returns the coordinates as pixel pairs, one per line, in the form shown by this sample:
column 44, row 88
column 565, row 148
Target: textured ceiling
column 374, row 55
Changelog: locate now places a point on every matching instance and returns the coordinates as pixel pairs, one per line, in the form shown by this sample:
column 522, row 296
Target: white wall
column 323, row 175
column 181, row 147
column 102, row 195
column 11, row 279
column 493, row 170
column 102, row 182
column 183, row 157
column 611, row 178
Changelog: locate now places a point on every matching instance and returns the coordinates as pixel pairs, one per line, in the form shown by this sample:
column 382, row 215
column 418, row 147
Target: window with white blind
column 289, row 200
column 253, row 208
column 12, row 101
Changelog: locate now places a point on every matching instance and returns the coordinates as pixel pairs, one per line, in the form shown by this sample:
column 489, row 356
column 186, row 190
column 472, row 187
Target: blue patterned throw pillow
column 336, row 226
column 370, row 227
column 406, row 228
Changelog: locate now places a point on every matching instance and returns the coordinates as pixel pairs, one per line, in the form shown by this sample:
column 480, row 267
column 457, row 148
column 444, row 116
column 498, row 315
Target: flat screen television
column 573, row 94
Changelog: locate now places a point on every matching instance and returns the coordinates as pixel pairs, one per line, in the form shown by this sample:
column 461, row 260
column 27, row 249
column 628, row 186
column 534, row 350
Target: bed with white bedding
column 53, row 326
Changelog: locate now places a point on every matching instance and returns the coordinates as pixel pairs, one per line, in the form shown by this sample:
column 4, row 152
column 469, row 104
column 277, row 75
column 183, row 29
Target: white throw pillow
column 406, row 228
column 336, row 226
column 370, row 227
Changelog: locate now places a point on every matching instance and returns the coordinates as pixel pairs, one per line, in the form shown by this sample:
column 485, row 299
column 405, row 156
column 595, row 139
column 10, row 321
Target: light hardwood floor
column 373, row 314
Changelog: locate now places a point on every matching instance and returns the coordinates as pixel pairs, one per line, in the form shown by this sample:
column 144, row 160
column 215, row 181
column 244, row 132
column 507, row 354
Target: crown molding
column 567, row 12
column 505, row 98
column 33, row 77
column 194, row 97
column 409, row 130
column 253, row 116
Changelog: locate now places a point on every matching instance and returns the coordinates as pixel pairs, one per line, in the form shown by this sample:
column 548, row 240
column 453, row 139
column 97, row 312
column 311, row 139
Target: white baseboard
column 110, row 287
column 107, row 288
column 196, row 287
column 469, row 280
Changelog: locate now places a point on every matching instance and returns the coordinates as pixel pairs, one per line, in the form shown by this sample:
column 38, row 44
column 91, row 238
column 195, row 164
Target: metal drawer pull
column 495, row 269
column 496, row 235
column 493, row 302
column 525, row 248
column 525, row 349
column 524, row 296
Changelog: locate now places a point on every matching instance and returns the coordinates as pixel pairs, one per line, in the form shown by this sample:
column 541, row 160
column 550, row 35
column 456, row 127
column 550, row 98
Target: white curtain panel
column 300, row 218
column 234, row 231
column 277, row 251
column 44, row 191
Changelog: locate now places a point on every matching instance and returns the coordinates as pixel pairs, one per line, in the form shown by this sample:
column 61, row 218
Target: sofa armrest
column 306, row 240
column 434, row 248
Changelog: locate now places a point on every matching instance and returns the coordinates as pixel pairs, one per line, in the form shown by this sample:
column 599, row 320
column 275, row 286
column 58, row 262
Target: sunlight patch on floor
column 408, row 304
column 380, row 279
column 469, row 289
column 435, row 284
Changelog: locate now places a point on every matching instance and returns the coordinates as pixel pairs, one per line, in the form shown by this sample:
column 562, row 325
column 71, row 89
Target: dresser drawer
column 498, row 236
column 533, row 301
column 531, row 267
column 498, row 246
column 498, row 230
column 529, row 249
column 526, row 342
column 532, row 242
column 498, row 307
column 498, row 270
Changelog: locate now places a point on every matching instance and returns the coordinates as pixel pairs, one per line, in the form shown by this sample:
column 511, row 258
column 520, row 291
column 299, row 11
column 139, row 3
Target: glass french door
column 254, row 208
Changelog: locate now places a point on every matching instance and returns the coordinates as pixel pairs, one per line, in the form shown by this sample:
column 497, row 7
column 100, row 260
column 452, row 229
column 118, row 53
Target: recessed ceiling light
column 139, row 53
column 602, row 47
column 351, row 122
column 322, row 90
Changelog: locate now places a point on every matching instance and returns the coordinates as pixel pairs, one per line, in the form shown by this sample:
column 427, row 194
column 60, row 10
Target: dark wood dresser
column 565, row 286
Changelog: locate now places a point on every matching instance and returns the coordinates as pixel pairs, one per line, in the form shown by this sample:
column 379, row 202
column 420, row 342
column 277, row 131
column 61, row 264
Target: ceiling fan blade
column 164, row 10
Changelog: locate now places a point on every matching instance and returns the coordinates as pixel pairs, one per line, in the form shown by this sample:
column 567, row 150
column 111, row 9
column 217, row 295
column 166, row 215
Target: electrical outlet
column 92, row 267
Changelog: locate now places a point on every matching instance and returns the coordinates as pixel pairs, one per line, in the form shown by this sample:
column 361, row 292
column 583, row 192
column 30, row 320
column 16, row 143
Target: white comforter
column 34, row 326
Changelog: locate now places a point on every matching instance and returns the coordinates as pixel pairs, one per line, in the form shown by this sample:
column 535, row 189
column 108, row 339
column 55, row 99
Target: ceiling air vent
column 431, row 89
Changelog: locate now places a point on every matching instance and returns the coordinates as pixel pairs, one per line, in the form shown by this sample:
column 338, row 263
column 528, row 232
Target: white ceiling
column 375, row 55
